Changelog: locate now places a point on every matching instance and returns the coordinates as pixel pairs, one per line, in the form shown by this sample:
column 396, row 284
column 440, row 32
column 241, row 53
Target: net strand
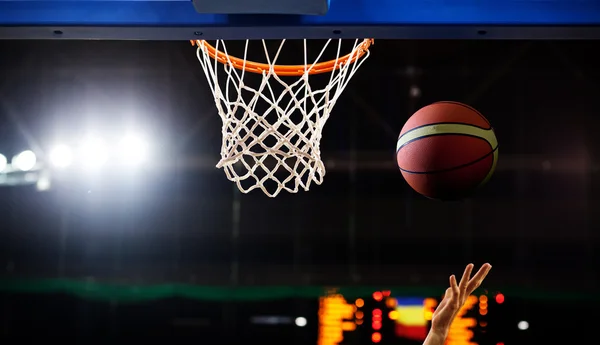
column 271, row 149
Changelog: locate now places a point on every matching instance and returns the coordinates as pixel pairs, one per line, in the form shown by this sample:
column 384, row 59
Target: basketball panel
column 441, row 152
column 446, row 112
column 452, row 184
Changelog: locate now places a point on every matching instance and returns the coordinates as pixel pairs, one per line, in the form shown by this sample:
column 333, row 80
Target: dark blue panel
column 358, row 18
column 301, row 7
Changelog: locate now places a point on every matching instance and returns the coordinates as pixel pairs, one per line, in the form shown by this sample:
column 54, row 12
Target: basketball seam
column 442, row 134
column 493, row 149
column 456, row 167
column 470, row 108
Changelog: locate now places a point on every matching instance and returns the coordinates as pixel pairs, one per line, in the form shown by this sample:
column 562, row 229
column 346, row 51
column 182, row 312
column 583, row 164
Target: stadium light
column 134, row 149
column 61, row 156
column 3, row 162
column 93, row 153
column 25, row 160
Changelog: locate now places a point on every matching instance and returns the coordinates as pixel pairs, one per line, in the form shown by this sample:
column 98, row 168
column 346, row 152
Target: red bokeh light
column 499, row 298
column 378, row 296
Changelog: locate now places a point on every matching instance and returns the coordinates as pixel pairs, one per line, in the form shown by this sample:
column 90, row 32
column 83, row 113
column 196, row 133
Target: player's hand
column 455, row 298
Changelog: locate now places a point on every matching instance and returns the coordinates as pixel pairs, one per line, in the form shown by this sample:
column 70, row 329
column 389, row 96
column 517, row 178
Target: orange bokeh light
column 376, row 337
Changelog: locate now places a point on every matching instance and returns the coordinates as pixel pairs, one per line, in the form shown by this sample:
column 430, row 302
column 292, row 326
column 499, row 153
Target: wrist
column 436, row 337
column 442, row 333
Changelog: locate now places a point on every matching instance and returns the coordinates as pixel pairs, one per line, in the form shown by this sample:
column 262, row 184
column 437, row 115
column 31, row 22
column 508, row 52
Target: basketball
column 447, row 150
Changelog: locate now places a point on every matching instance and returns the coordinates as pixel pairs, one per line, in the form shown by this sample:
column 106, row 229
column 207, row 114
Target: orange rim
column 284, row 70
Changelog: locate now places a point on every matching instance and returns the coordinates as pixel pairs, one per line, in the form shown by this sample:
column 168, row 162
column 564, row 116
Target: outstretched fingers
column 453, row 286
column 464, row 281
column 455, row 291
column 478, row 278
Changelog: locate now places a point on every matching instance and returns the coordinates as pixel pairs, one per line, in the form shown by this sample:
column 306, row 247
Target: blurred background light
column 25, row 160
column 134, row 149
column 61, row 156
column 94, row 153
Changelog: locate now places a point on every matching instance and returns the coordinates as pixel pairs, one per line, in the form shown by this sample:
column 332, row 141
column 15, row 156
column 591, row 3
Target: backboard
column 399, row 19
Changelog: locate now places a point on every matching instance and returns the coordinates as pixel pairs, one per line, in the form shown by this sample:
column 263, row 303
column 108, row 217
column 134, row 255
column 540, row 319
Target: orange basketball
column 446, row 150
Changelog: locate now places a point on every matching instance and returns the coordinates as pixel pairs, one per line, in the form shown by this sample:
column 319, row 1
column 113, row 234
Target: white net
column 273, row 118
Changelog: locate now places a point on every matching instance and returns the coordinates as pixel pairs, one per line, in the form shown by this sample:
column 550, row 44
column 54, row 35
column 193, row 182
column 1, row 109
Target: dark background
column 535, row 221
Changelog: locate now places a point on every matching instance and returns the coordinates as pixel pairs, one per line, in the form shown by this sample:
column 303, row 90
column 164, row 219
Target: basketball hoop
column 276, row 147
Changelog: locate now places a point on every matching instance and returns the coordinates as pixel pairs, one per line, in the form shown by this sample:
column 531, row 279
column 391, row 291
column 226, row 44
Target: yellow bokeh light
column 348, row 326
column 428, row 315
column 483, row 299
column 359, row 303
column 393, row 315
column 333, row 313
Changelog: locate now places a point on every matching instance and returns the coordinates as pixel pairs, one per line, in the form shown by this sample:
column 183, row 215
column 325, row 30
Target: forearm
column 435, row 338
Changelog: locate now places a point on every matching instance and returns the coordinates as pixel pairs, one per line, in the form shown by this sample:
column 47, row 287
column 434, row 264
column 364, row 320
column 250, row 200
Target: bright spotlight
column 3, row 162
column 134, row 149
column 301, row 321
column 94, row 153
column 25, row 160
column 61, row 156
